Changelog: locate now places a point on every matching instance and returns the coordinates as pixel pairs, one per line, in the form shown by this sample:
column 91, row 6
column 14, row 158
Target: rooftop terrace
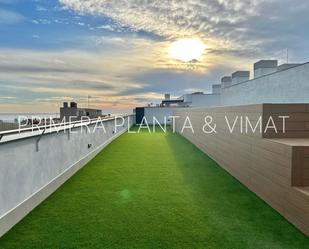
column 153, row 191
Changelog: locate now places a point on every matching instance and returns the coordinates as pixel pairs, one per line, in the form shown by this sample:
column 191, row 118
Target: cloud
column 107, row 27
column 10, row 17
column 169, row 19
column 121, row 72
column 258, row 27
column 7, row 97
column 58, row 75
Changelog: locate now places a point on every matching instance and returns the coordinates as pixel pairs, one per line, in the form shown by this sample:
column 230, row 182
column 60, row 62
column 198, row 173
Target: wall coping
column 18, row 134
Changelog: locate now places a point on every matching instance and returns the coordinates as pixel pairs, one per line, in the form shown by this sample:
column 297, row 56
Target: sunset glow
column 187, row 50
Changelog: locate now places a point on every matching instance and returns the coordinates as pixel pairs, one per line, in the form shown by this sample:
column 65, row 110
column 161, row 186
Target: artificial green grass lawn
column 153, row 191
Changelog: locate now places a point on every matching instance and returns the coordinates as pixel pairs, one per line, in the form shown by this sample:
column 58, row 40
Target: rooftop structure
column 264, row 67
column 216, row 89
column 72, row 112
column 240, row 76
column 172, row 102
column 226, row 81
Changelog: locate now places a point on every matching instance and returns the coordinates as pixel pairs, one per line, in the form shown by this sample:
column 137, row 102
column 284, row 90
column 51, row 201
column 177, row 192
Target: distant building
column 167, row 96
column 72, row 112
column 167, row 107
column 168, row 102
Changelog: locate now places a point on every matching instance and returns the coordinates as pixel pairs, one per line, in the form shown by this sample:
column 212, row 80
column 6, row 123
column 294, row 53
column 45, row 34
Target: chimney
column 167, row 96
column 226, row 81
column 73, row 104
column 65, row 104
column 264, row 67
column 240, row 76
column 216, row 89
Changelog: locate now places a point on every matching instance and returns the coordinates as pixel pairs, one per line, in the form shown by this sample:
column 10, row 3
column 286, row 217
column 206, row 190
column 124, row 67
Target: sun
column 187, row 49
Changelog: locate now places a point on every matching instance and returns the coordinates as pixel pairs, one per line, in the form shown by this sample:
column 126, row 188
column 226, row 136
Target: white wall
column 288, row 86
column 264, row 71
column 28, row 176
column 237, row 80
column 160, row 113
column 199, row 100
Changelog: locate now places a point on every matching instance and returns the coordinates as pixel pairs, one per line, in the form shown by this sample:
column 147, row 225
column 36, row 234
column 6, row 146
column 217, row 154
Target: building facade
column 73, row 113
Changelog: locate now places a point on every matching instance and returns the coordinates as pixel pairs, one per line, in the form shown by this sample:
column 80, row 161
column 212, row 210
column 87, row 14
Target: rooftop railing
column 40, row 130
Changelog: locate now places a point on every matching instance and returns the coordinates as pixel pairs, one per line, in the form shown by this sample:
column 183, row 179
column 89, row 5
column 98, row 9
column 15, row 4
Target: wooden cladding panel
column 300, row 171
column 296, row 126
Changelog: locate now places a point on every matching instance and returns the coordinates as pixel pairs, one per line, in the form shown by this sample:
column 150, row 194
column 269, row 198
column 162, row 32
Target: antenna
column 287, row 55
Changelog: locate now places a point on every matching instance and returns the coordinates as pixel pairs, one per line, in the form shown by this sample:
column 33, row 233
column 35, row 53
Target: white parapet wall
column 34, row 164
column 202, row 99
column 287, row 86
column 161, row 114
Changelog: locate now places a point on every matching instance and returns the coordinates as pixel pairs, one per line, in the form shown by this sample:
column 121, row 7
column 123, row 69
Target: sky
column 117, row 51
